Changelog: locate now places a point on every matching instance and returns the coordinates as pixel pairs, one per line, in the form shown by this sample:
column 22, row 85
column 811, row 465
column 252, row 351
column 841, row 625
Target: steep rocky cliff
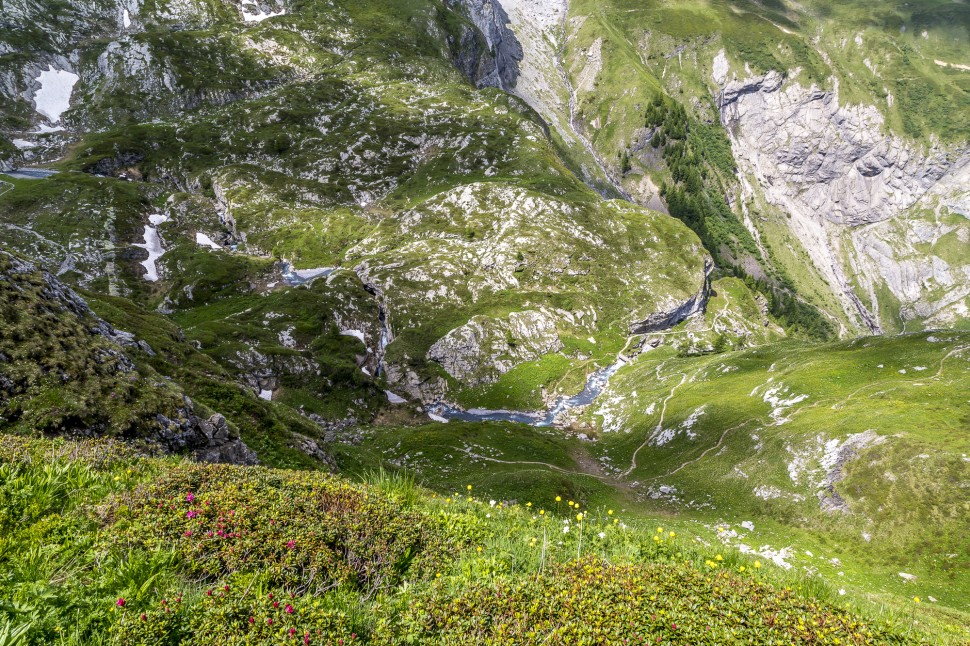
column 845, row 122
column 864, row 204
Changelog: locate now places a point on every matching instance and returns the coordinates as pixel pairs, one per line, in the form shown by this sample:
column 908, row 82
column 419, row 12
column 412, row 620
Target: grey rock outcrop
column 312, row 448
column 506, row 52
column 485, row 348
column 856, row 197
column 221, row 444
column 667, row 318
column 829, row 499
column 205, row 439
column 846, row 169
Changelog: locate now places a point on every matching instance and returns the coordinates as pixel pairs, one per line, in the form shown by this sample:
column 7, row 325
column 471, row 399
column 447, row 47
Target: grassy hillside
column 100, row 546
column 347, row 140
column 849, row 462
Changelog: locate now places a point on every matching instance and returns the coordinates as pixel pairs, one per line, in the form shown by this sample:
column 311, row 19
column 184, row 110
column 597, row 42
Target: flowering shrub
column 236, row 616
column 593, row 602
column 307, row 531
column 141, row 552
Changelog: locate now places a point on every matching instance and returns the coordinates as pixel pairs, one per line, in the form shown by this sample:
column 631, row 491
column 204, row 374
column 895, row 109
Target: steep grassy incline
column 66, row 371
column 848, row 462
column 865, row 444
column 101, row 547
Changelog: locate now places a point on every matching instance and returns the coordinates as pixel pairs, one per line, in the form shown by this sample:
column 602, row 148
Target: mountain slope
column 843, row 122
column 359, row 164
column 604, row 239
column 163, row 552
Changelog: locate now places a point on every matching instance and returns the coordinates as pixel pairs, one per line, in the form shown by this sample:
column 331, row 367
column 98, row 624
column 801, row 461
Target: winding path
column 553, row 467
column 663, row 414
column 619, row 480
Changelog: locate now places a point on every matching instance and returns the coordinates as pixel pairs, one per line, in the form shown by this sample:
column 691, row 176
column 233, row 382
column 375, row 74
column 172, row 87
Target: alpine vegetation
column 484, row 321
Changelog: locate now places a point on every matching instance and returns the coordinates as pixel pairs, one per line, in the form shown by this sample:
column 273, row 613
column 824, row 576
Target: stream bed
column 595, row 385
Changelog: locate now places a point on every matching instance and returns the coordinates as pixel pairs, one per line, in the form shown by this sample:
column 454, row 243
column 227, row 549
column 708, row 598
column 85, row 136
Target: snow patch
column 394, row 398
column 153, row 245
column 54, row 96
column 259, row 15
column 357, row 334
column 266, row 394
column 203, row 240
column 296, row 277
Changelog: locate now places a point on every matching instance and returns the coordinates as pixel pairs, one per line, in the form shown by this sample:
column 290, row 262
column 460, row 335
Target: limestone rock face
column 485, row 348
column 493, row 22
column 845, row 168
column 865, row 205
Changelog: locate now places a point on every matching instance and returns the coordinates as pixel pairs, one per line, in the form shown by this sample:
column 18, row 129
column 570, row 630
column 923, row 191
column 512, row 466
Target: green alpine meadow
column 518, row 322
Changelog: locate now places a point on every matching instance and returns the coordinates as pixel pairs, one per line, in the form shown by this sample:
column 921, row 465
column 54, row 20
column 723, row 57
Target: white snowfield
column 153, row 245
column 260, row 15
column 203, row 240
column 54, row 96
